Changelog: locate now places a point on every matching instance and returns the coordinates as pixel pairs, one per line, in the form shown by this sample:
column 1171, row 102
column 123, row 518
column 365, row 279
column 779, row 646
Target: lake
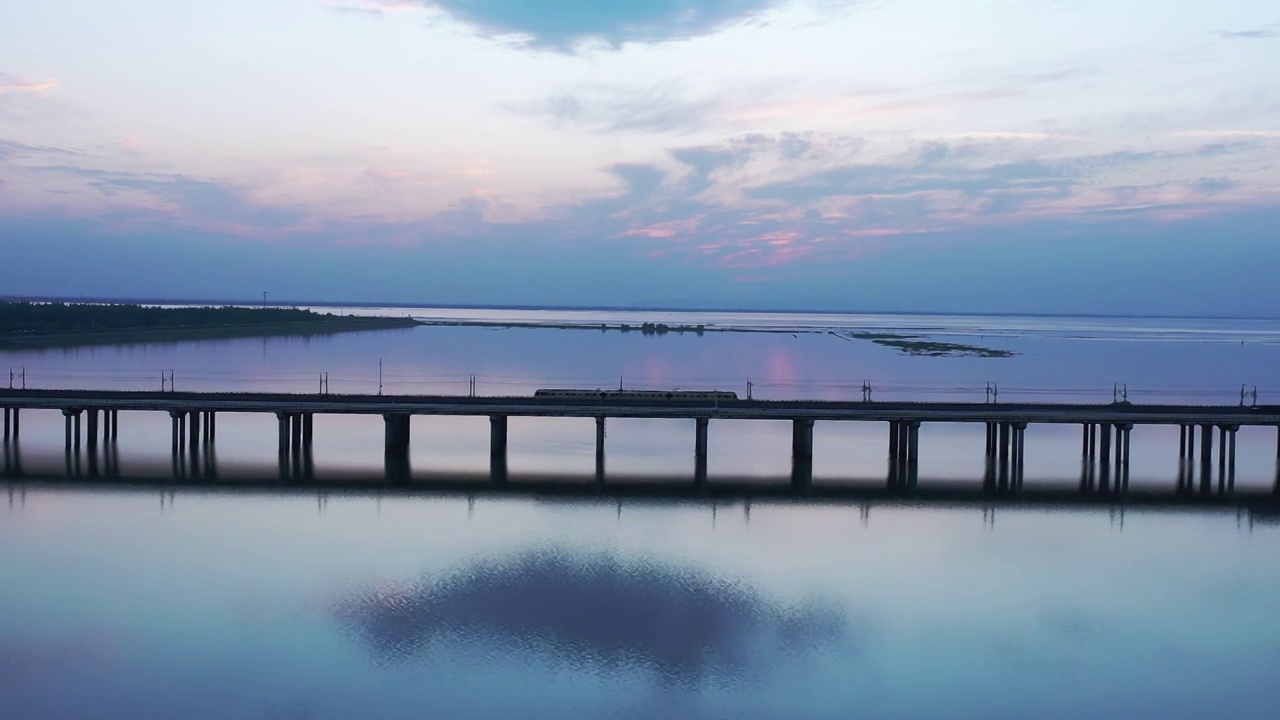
column 180, row 602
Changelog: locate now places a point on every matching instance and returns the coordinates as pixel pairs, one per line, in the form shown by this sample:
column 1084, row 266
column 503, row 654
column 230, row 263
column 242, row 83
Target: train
column 636, row 394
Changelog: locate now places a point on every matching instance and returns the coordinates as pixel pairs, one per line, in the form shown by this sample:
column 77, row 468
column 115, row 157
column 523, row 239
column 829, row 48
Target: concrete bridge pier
column 1206, row 458
column 1190, row 462
column 1122, row 456
column 1104, row 458
column 92, row 444
column 295, row 433
column 282, row 422
column 700, row 451
column 600, row 450
column 1002, row 479
column 396, row 447
column 1231, row 458
column 194, row 436
column 1222, row 459
column 895, row 454
column 69, row 417
column 175, row 417
column 308, row 429
column 193, row 442
column 801, row 454
column 285, row 445
column 989, row 458
column 11, row 423
column 92, row 416
column 1183, row 445
column 498, row 448
column 913, row 454
column 1019, row 454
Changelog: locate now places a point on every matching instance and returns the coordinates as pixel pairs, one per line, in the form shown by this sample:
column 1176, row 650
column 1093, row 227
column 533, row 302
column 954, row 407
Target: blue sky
column 998, row 155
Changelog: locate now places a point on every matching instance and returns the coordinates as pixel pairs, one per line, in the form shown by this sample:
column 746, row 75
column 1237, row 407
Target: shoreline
column 306, row 328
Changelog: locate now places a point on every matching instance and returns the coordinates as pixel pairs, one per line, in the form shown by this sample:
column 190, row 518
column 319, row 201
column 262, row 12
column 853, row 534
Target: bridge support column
column 1019, row 454
column 895, row 453
column 194, row 437
column 913, row 454
column 1093, row 441
column 700, row 451
column 69, row 433
column 396, row 447
column 174, row 418
column 308, row 429
column 1206, row 458
column 1123, row 431
column 600, row 450
column 1182, row 442
column 1222, row 459
column 1231, row 458
column 498, row 447
column 1191, row 458
column 801, row 454
column 115, row 425
column 282, row 418
column 295, row 432
column 1104, row 459
column 1003, row 462
column 6, row 423
column 17, row 426
column 92, row 429
column 989, row 458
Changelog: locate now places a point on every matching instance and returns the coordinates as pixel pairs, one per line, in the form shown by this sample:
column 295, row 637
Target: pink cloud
column 18, row 86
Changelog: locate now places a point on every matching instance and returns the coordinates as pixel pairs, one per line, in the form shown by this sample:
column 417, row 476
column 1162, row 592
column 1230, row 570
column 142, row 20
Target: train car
column 636, row 394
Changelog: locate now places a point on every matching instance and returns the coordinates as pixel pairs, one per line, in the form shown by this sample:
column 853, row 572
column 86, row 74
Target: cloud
column 1212, row 186
column 622, row 108
column 11, row 149
column 8, row 85
column 1261, row 33
column 564, row 25
column 369, row 12
column 190, row 202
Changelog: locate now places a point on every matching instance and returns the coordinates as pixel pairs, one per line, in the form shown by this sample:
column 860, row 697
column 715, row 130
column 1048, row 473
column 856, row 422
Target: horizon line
column 603, row 308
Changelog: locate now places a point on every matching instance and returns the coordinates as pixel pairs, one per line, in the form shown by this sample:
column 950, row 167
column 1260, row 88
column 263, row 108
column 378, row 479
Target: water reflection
column 611, row 613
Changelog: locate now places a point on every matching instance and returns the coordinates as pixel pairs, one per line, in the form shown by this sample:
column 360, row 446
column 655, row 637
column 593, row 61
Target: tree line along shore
column 33, row 324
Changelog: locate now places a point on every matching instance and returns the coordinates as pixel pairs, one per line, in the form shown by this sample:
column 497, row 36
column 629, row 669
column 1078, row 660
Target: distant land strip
column 915, row 345
column 36, row 325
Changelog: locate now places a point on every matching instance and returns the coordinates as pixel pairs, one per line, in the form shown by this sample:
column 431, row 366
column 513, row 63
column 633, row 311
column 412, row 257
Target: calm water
column 181, row 603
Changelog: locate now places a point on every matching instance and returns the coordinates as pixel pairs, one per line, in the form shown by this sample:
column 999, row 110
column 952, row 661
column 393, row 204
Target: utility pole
column 379, row 376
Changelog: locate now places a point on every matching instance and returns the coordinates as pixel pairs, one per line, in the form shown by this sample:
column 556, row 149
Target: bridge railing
column 498, row 384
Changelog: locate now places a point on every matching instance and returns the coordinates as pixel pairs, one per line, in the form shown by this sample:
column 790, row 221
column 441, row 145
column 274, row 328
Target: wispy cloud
column 1265, row 32
column 622, row 108
column 12, row 85
column 11, row 149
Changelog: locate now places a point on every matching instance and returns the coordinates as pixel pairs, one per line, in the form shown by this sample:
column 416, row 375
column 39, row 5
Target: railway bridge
column 1104, row 435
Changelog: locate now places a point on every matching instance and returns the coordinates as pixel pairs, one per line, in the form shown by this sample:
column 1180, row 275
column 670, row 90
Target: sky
column 1046, row 156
